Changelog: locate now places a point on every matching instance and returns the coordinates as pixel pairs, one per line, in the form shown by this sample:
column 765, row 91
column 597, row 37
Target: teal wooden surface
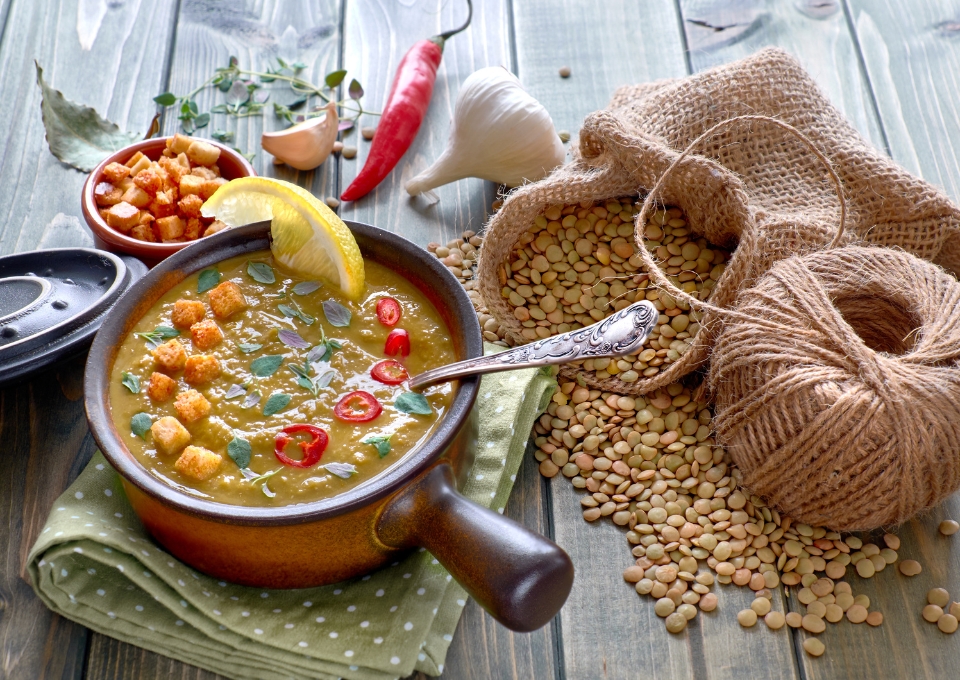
column 890, row 70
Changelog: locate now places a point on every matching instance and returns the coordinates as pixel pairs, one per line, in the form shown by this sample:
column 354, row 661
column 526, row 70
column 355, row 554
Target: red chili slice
column 398, row 343
column 388, row 311
column 357, row 407
column 389, row 372
column 312, row 450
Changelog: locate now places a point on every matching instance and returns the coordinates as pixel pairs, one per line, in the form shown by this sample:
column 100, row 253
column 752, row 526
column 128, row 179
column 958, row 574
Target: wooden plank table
column 891, row 71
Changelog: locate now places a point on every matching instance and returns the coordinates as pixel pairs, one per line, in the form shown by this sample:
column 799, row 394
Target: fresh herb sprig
column 245, row 96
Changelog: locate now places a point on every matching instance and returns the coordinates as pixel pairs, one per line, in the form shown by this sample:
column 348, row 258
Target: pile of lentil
column 650, row 464
column 577, row 264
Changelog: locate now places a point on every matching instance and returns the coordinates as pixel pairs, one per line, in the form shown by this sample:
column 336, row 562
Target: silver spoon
column 621, row 333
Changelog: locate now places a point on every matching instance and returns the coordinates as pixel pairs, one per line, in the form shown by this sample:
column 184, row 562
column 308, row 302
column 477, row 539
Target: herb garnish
column 295, row 311
column 260, row 272
column 413, row 402
column 306, row 287
column 276, row 403
column 248, row 347
column 131, row 382
column 239, row 450
column 262, row 479
column 336, row 314
column 234, row 392
column 158, row 335
column 293, row 339
column 342, row 470
column 208, row 278
column 318, row 382
column 263, row 367
column 381, row 443
column 140, row 424
column 251, row 399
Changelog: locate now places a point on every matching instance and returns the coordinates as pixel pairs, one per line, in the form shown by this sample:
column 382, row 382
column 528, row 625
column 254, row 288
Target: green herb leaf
column 140, row 424
column 342, row 470
column 287, row 311
column 257, row 479
column 299, row 370
column 77, row 134
column 159, row 334
column 355, row 90
column 266, row 366
column 225, row 84
column 276, row 403
column 306, row 287
column 239, row 450
column 166, row 99
column 335, row 78
column 248, row 347
column 251, row 399
column 261, row 272
column 209, row 278
column 292, row 339
column 413, row 402
column 234, row 392
column 238, row 94
column 223, row 135
column 131, row 382
column 336, row 314
column 382, row 444
column 298, row 66
column 202, row 120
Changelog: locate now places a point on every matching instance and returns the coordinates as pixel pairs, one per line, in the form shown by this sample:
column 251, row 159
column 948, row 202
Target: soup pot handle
column 521, row 578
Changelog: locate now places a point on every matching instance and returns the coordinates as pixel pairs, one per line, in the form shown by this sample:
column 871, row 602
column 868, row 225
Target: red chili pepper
column 312, row 450
column 404, row 111
column 357, row 407
column 398, row 343
column 389, row 372
column 388, row 311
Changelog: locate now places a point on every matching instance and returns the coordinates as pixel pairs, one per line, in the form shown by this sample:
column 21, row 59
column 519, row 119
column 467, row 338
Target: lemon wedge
column 308, row 237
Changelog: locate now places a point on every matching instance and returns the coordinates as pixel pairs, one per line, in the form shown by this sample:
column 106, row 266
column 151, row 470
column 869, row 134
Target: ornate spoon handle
column 620, row 334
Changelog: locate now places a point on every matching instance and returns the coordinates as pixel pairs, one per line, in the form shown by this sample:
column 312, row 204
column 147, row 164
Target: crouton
column 123, row 217
column 174, row 169
column 144, row 231
column 190, row 184
column 115, row 172
column 135, row 158
column 185, row 162
column 191, row 406
column 206, row 334
column 190, row 205
column 187, row 312
column 179, row 143
column 169, row 435
column 141, row 164
column 167, row 153
column 169, row 228
column 202, row 153
column 227, row 299
column 149, row 180
column 205, row 173
column 210, row 186
column 170, row 357
column 164, row 204
column 161, row 387
column 145, row 218
column 191, row 232
column 199, row 463
column 136, row 197
column 201, row 368
column 107, row 194
column 214, row 227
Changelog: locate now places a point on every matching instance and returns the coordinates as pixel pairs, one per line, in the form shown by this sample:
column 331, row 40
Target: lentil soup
column 248, row 385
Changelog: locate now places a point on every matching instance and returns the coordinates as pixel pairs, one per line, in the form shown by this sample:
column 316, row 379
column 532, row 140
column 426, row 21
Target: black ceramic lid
column 52, row 303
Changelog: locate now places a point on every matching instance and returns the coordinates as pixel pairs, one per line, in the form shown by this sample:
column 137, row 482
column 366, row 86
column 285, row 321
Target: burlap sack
column 751, row 187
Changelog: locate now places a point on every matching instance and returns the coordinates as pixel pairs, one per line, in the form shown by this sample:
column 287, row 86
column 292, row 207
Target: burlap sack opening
column 752, row 186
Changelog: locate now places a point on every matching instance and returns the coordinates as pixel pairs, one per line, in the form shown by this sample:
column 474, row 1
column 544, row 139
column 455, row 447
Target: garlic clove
column 305, row 145
column 499, row 133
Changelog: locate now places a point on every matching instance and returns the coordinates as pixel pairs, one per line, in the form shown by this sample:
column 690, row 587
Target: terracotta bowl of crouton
column 145, row 199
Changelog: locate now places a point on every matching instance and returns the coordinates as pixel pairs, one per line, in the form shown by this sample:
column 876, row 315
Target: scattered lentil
column 747, row 618
column 564, row 71
column 774, row 620
column 910, row 567
column 947, row 623
column 813, row 647
column 932, row 613
column 949, row 527
column 857, row 613
column 939, row 597
column 676, row 622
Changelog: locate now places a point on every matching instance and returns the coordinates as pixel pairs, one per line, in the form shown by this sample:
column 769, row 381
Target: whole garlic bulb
column 499, row 133
column 305, row 145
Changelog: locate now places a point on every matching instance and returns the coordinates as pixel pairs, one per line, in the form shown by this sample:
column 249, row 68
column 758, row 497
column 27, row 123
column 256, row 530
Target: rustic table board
column 891, row 70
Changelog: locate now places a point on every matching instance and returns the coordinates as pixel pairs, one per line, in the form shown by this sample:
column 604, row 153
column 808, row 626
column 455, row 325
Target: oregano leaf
column 234, row 392
column 413, row 402
column 166, row 99
column 355, row 90
column 381, row 443
column 336, row 314
column 248, row 347
column 342, row 470
column 251, row 399
column 266, row 366
column 306, row 287
column 209, row 278
column 131, row 382
column 140, row 424
column 239, row 450
column 335, row 78
column 261, row 272
column 292, row 339
column 276, row 403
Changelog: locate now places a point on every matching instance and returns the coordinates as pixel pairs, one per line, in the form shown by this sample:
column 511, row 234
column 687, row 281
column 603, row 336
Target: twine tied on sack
column 835, row 377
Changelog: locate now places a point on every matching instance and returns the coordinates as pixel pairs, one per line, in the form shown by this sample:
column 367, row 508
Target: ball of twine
column 836, row 378
column 837, row 388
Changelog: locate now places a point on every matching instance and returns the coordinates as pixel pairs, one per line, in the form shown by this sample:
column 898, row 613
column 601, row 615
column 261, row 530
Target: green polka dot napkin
column 95, row 564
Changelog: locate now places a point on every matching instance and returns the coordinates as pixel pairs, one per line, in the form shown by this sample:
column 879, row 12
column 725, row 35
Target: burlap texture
column 751, row 187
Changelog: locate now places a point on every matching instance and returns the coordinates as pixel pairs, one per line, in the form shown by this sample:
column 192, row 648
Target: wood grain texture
column 481, row 647
column 256, row 32
column 118, row 75
column 821, row 40
column 111, row 660
column 46, row 444
column 377, row 33
column 912, row 61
